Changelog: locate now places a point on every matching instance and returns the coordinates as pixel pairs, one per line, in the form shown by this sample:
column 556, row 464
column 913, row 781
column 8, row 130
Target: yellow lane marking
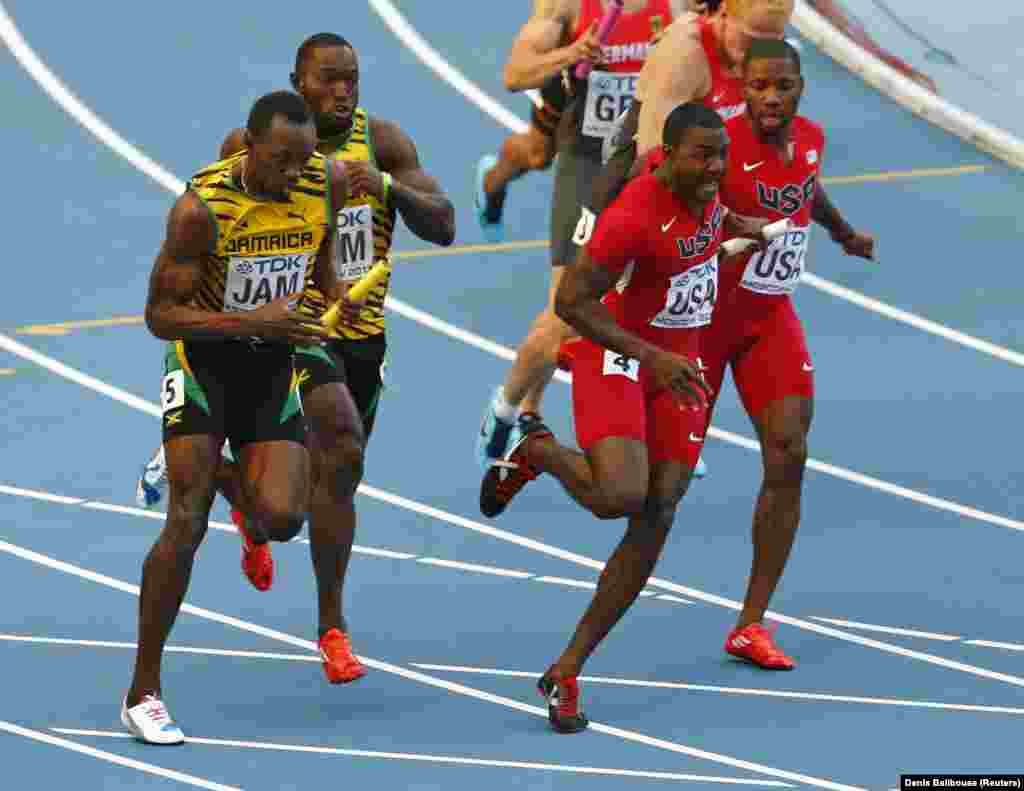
column 68, row 326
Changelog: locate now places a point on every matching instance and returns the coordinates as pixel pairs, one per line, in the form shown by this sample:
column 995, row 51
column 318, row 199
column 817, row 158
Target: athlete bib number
column 608, row 96
column 354, row 246
column 777, row 270
column 616, row 364
column 253, row 282
column 691, row 298
column 172, row 393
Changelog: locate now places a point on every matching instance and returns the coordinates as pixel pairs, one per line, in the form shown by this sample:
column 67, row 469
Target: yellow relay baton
column 359, row 291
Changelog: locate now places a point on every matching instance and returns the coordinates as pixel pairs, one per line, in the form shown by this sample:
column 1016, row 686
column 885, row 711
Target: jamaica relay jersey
column 264, row 249
column 365, row 228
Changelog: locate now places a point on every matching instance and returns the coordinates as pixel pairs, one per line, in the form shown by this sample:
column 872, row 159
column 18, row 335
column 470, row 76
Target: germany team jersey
column 264, row 249
column 365, row 228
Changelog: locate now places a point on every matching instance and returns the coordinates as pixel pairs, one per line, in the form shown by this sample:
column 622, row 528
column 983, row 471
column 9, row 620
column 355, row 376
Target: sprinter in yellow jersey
column 340, row 383
column 238, row 246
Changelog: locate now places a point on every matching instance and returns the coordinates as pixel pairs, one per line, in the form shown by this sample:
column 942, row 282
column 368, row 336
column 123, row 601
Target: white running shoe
column 150, row 722
column 153, row 482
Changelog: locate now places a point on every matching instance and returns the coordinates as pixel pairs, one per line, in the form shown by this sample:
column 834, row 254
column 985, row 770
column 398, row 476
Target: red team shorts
column 768, row 355
column 614, row 397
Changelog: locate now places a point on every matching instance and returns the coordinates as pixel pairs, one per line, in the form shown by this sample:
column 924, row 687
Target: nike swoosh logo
column 747, row 167
column 668, row 225
column 695, row 438
column 808, row 367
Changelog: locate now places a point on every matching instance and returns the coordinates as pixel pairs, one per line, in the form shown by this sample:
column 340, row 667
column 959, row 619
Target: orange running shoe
column 563, row 697
column 257, row 562
column 756, row 644
column 341, row 666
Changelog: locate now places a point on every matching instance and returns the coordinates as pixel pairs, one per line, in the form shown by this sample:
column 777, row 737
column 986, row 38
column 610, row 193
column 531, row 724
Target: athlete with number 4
column 775, row 158
column 638, row 395
column 340, row 382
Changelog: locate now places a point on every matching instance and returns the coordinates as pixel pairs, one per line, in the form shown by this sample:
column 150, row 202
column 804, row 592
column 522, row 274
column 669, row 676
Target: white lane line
column 455, row 564
column 870, row 627
column 56, row 90
column 443, row 759
column 102, row 755
column 994, row 644
column 414, row 41
column 380, row 553
column 174, row 649
column 768, row 693
column 386, row 667
column 37, row 495
column 446, row 71
column 570, row 583
column 676, row 599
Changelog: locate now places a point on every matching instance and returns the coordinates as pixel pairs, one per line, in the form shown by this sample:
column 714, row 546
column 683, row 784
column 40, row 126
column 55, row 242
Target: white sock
column 503, row 410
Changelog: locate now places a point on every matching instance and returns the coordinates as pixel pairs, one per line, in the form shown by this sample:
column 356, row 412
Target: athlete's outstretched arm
column 416, row 194
column 177, row 275
column 536, row 55
column 824, row 212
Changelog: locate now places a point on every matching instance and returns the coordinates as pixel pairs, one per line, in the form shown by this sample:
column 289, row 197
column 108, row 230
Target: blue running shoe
column 494, row 436
column 488, row 209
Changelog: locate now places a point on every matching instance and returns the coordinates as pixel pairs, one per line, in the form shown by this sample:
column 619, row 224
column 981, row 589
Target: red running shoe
column 563, row 697
column 341, row 666
column 755, row 644
column 257, row 562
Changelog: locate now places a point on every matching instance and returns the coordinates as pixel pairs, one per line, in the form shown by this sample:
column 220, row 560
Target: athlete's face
column 329, row 82
column 277, row 157
column 772, row 88
column 740, row 30
column 697, row 163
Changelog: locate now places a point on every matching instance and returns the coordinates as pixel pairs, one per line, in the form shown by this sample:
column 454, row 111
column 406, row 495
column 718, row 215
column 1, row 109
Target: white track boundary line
column 770, row 693
column 581, row 560
column 443, row 759
column 422, row 678
column 408, row 35
column 130, row 763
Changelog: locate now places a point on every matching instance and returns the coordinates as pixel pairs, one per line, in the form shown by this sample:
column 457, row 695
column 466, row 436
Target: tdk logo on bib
column 353, row 255
column 253, row 282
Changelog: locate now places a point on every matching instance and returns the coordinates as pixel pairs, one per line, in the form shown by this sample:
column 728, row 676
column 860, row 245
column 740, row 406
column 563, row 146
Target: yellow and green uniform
column 244, row 389
column 365, row 227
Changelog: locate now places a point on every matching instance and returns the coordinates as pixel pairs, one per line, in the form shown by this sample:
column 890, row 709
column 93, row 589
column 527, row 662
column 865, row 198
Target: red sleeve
column 619, row 237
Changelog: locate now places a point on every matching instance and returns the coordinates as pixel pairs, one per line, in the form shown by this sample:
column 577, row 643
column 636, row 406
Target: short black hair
column 686, row 116
column 772, row 48
column 319, row 40
column 292, row 106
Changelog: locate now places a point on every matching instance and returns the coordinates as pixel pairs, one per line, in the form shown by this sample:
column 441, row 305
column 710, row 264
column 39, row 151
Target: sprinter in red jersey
column 773, row 171
column 638, row 396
